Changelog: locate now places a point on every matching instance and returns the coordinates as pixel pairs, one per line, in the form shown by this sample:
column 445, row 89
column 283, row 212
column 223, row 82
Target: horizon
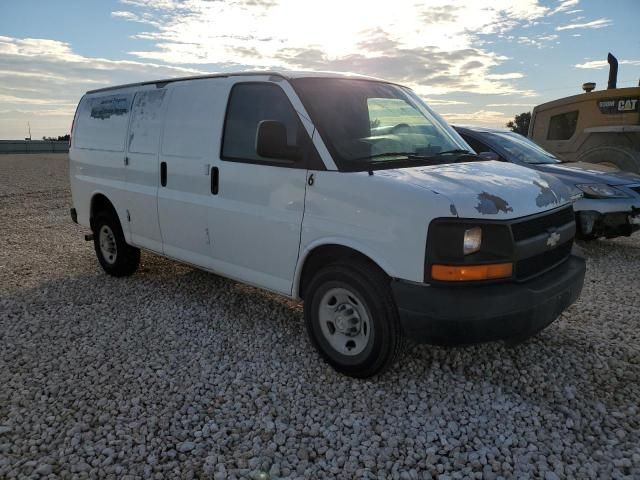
column 473, row 64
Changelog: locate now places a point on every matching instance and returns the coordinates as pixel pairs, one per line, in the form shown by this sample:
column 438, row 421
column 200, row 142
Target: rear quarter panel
column 97, row 151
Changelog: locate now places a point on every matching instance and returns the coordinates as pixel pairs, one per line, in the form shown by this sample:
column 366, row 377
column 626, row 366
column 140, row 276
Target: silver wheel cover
column 107, row 242
column 344, row 321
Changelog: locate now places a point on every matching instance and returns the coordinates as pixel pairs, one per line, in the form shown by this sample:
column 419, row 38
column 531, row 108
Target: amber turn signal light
column 467, row 273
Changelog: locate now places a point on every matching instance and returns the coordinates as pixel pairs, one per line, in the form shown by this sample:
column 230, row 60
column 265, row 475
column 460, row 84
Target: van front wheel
column 116, row 257
column 352, row 319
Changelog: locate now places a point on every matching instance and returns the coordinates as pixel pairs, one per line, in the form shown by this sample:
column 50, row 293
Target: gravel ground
column 175, row 373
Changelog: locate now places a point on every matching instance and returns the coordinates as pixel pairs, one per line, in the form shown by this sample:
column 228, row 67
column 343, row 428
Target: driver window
column 249, row 104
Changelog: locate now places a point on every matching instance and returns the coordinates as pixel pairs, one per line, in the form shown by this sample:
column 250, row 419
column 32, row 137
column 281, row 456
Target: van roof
column 288, row 75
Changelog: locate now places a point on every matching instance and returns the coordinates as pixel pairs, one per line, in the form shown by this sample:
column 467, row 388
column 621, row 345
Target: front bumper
column 481, row 313
column 593, row 224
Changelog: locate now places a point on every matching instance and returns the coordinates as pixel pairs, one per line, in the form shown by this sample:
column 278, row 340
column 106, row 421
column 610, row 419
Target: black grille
column 542, row 262
column 538, row 225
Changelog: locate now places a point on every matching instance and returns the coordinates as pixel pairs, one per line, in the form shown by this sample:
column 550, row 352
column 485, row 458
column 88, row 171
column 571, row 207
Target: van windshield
column 367, row 124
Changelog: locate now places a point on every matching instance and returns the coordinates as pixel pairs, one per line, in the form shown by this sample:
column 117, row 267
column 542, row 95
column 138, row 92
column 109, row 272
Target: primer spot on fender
column 546, row 196
column 491, row 204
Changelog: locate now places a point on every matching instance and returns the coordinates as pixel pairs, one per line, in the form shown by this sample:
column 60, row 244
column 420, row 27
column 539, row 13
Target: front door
column 259, row 204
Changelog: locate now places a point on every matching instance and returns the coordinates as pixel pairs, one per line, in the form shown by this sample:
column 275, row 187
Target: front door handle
column 163, row 174
column 215, row 178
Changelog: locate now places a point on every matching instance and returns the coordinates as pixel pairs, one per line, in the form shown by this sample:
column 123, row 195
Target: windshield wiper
column 413, row 155
column 386, row 154
column 455, row 150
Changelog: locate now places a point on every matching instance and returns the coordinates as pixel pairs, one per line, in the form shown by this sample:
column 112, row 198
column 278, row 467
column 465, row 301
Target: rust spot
column 491, row 204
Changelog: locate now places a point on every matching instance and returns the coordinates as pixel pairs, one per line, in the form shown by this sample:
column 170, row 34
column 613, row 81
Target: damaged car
column 607, row 199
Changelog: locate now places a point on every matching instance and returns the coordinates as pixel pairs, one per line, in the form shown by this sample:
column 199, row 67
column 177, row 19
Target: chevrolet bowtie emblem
column 553, row 239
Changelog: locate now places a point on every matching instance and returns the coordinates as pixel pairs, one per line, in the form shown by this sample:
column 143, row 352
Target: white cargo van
column 347, row 192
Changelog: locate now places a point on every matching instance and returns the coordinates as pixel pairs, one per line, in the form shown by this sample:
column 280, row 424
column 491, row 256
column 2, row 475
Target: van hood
column 487, row 189
column 581, row 172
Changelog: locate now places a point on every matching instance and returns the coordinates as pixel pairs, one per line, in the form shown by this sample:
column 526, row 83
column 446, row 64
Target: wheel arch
column 320, row 254
column 99, row 203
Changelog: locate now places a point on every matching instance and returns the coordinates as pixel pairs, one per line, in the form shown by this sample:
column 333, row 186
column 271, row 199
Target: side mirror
column 489, row 156
column 271, row 142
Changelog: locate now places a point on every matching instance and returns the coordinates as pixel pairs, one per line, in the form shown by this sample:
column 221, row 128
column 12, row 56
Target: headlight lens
column 597, row 190
column 472, row 240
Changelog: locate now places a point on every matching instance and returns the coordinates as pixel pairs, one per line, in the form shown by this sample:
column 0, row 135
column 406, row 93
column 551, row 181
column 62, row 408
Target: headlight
column 472, row 240
column 597, row 190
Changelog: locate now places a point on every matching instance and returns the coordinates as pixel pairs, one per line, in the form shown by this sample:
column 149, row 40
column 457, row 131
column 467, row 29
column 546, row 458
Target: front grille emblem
column 554, row 238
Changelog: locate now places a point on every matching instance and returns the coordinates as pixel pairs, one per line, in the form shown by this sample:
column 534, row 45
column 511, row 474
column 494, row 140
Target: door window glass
column 144, row 132
column 249, row 104
column 102, row 122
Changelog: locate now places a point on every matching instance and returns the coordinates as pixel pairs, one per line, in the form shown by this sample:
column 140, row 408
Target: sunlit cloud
column 565, row 6
column 600, row 23
column 42, row 80
column 510, row 105
column 433, row 46
column 600, row 64
column 487, row 118
column 451, row 52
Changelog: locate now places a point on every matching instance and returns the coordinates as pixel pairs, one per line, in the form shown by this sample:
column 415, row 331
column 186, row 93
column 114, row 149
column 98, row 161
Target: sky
column 475, row 62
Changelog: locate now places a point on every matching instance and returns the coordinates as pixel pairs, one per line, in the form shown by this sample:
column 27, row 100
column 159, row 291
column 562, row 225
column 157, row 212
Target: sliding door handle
column 163, row 174
column 215, row 178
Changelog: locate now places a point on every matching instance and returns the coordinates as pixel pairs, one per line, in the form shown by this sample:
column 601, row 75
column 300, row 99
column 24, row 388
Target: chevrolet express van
column 346, row 192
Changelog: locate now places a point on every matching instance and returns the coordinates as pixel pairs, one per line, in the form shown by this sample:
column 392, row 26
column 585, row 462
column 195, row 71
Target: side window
column 249, row 104
column 563, row 126
column 102, row 122
column 144, row 130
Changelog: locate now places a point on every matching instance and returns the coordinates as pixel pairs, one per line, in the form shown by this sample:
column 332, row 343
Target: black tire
column 125, row 260
column 623, row 158
column 373, row 293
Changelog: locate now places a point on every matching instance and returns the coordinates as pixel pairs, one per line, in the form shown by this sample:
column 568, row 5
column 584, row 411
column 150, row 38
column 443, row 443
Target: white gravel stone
column 175, row 373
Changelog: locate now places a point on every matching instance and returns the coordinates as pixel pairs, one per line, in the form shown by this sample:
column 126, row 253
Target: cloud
column 510, row 105
column 444, row 102
column 600, row 23
column 564, row 6
column 487, row 118
column 434, row 46
column 539, row 41
column 600, row 64
column 125, row 15
column 42, row 80
column 437, row 47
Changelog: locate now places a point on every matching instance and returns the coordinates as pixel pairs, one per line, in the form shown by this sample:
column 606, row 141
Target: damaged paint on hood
column 496, row 190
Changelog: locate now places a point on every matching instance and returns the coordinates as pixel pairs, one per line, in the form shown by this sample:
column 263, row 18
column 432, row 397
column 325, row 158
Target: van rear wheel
column 352, row 320
column 116, row 257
